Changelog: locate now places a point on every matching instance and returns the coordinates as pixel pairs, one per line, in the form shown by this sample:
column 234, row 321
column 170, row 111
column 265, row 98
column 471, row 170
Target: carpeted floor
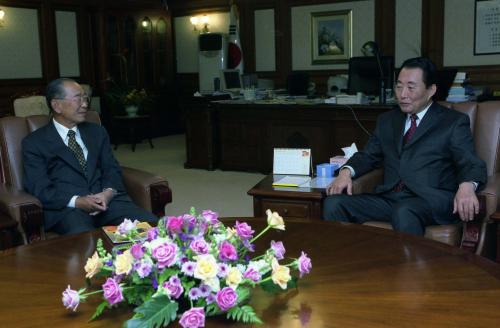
column 222, row 191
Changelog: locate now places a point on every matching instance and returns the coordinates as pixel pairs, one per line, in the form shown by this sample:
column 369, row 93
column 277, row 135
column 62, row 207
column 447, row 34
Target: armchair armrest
column 26, row 210
column 367, row 183
column 147, row 190
column 479, row 234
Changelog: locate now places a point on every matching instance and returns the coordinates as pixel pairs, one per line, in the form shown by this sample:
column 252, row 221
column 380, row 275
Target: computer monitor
column 364, row 75
column 231, row 79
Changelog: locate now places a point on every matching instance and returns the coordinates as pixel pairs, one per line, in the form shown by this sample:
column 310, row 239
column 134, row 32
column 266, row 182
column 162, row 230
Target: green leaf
column 243, row 294
column 245, row 314
column 156, row 312
column 212, row 309
column 99, row 310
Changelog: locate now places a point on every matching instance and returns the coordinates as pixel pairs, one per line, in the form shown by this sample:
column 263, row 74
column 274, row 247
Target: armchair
column 24, row 212
column 476, row 236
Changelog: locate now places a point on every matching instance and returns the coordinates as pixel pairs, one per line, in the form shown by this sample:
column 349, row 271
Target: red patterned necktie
column 406, row 138
column 411, row 131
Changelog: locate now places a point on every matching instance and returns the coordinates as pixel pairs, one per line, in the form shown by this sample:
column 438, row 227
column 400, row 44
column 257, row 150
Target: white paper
column 292, row 161
column 292, row 181
column 349, row 151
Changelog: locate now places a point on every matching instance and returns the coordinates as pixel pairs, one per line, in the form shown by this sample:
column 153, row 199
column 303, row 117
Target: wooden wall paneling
column 433, row 30
column 385, row 26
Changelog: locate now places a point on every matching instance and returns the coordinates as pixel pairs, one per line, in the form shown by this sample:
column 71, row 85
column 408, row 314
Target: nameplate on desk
column 292, row 161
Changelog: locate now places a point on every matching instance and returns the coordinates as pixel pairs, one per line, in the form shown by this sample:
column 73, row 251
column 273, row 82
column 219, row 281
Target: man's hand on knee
column 342, row 182
column 466, row 202
column 90, row 204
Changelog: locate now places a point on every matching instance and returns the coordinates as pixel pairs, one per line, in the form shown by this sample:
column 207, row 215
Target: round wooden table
column 361, row 277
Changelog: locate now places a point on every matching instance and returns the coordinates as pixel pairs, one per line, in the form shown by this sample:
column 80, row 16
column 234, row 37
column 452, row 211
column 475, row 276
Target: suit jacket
column 432, row 164
column 52, row 172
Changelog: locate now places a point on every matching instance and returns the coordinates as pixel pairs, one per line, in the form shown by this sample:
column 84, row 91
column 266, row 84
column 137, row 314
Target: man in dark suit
column 70, row 168
column 431, row 170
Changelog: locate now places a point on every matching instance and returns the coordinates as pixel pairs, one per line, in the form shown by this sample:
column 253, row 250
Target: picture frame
column 331, row 37
column 486, row 27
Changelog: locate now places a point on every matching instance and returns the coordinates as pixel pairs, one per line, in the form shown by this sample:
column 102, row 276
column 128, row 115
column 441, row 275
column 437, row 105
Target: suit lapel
column 87, row 138
column 399, row 126
column 431, row 118
column 58, row 147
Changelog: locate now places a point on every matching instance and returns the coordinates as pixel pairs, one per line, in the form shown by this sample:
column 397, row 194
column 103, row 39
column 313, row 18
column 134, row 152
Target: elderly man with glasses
column 70, row 168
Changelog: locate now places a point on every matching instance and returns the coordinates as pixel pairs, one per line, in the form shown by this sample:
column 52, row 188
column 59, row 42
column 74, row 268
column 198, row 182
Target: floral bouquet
column 191, row 267
column 134, row 97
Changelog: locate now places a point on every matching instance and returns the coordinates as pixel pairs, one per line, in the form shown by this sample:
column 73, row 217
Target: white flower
column 233, row 278
column 275, row 220
column 261, row 266
column 206, row 268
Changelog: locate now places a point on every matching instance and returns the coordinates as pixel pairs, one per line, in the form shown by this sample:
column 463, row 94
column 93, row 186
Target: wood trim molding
column 433, row 30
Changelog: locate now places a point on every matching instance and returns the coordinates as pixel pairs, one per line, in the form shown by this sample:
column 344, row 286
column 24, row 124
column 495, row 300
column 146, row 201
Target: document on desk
column 292, row 181
column 292, row 161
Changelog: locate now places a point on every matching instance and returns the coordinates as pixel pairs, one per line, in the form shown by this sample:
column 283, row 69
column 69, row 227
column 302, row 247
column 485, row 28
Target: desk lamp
column 371, row 48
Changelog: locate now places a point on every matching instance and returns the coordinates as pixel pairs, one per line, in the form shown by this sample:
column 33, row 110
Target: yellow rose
column 206, row 267
column 123, row 263
column 230, row 232
column 280, row 274
column 93, row 266
column 233, row 278
column 275, row 220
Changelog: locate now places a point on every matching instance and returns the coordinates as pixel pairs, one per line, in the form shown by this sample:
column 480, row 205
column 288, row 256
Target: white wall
column 20, row 56
column 186, row 40
column 265, row 41
column 459, row 36
column 408, row 36
column 363, row 29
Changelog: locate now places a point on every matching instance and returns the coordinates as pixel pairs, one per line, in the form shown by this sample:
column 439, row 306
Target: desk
column 132, row 129
column 290, row 202
column 241, row 136
column 361, row 277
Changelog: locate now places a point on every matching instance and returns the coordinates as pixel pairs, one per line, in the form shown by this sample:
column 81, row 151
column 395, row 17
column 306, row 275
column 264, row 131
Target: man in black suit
column 70, row 168
column 431, row 170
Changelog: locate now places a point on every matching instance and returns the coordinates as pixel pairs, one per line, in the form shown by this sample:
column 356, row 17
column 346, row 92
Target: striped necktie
column 411, row 131
column 77, row 150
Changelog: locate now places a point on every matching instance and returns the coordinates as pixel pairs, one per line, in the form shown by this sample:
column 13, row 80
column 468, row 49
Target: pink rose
column 304, row 264
column 279, row 249
column 112, row 291
column 244, row 230
column 211, row 217
column 165, row 253
column 227, row 251
column 226, row 298
column 193, row 318
column 199, row 246
column 70, row 298
column 174, row 287
column 252, row 274
column 137, row 251
column 174, row 224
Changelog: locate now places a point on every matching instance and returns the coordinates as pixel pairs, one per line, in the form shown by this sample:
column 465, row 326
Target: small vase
column 131, row 110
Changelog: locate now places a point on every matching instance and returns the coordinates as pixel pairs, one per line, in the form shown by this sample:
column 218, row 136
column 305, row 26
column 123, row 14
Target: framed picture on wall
column 331, row 37
column 487, row 27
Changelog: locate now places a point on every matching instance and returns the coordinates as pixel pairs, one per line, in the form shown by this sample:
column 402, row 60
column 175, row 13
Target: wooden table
column 361, row 277
column 132, row 129
column 290, row 202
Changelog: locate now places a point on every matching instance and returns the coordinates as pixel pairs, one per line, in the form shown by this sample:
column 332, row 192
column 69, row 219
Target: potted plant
column 133, row 100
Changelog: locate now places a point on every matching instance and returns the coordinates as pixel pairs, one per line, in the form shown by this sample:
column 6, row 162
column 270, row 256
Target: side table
column 132, row 129
column 496, row 217
column 289, row 202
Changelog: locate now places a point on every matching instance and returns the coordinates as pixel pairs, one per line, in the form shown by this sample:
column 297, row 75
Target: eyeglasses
column 78, row 99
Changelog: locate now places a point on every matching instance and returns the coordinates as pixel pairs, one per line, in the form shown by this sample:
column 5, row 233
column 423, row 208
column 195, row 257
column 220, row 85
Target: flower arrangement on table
column 134, row 97
column 191, row 261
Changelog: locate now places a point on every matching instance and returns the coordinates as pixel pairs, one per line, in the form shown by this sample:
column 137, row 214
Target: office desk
column 361, row 277
column 241, row 136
